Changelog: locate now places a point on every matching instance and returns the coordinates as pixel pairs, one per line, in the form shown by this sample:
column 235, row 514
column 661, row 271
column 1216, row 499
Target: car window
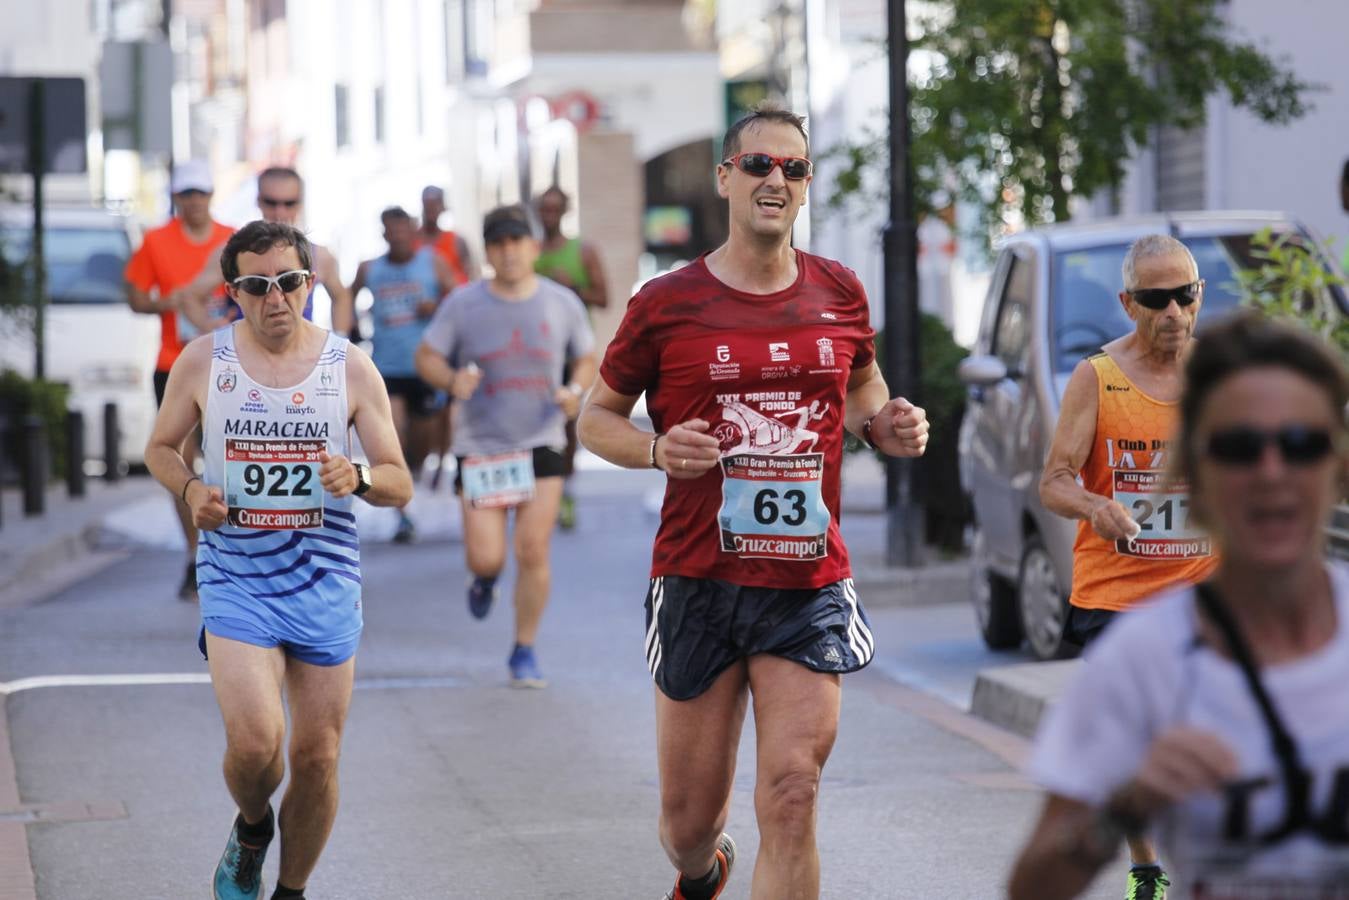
column 84, row 265
column 1086, row 312
column 1011, row 335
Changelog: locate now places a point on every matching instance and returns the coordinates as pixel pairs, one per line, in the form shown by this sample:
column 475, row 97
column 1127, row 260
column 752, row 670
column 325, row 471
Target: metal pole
column 75, row 453
column 34, row 466
column 37, row 165
column 904, row 518
column 112, row 444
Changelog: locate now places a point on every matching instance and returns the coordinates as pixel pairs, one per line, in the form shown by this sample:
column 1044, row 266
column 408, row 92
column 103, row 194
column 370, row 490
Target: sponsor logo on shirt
column 255, row 395
column 226, row 381
column 723, row 369
column 826, row 349
column 1116, row 387
column 778, row 352
column 828, row 315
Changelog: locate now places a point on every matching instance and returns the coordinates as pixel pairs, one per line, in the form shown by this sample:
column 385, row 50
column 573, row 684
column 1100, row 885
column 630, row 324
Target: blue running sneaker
column 481, row 593
column 525, row 668
column 239, row 874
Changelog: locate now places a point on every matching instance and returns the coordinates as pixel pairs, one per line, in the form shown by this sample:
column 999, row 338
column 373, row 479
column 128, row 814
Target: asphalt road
column 456, row 786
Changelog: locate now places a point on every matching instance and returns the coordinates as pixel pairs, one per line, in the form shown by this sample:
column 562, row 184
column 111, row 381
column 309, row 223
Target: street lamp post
column 904, row 518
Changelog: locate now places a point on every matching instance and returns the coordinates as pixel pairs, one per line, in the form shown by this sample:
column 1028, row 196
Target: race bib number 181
column 772, row 506
column 273, row 485
column 501, row 479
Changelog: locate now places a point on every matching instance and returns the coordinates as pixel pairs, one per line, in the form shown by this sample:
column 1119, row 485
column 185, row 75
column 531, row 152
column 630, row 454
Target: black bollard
column 34, row 466
column 112, row 443
column 75, row 453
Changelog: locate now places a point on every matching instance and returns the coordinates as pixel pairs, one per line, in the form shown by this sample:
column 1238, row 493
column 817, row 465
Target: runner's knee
column 254, row 749
column 531, row 552
column 689, row 830
column 787, row 799
column 316, row 758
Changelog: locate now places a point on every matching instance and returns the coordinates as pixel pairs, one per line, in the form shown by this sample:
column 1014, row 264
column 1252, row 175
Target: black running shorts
column 548, row 463
column 420, row 397
column 1085, row 625
column 696, row 628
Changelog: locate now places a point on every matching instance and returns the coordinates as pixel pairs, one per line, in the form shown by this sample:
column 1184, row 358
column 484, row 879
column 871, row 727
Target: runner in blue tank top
column 278, row 566
column 407, row 285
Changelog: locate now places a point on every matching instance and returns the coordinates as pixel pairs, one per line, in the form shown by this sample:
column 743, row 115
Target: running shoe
column 725, row 859
column 406, row 532
column 1147, row 883
column 187, row 591
column 566, row 513
column 525, row 668
column 239, row 874
column 481, row 593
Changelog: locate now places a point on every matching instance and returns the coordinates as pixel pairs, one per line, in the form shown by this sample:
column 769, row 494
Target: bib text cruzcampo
column 264, row 429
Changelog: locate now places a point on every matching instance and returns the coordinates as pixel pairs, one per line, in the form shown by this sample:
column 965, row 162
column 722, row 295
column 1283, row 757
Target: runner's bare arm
column 466, row 258
column 597, row 295
column 1061, row 858
column 583, row 370
column 435, row 370
column 898, row 428
column 344, row 313
column 391, row 483
column 178, row 415
column 1074, row 436
column 194, row 298
column 330, row 276
column 444, row 278
column 685, row 451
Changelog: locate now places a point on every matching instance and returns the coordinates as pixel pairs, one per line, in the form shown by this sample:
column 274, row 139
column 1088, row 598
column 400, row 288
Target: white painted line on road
column 48, row 681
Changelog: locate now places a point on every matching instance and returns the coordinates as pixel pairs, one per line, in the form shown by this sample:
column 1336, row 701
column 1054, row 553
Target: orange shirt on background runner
column 447, row 245
column 168, row 259
column 1130, row 462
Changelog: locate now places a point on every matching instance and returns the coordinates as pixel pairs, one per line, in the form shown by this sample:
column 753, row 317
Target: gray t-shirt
column 521, row 346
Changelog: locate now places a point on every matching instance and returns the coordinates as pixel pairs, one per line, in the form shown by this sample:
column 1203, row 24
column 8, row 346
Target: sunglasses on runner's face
column 1298, row 444
column 1160, row 298
column 794, row 168
column 287, row 202
column 261, row 285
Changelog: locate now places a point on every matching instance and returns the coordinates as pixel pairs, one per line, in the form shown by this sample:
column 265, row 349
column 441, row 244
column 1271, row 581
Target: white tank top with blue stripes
column 287, row 546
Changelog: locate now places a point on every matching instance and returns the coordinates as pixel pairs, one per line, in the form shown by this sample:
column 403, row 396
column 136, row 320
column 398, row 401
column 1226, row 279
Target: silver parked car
column 1053, row 300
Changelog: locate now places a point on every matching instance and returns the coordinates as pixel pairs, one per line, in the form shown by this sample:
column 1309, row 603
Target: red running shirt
column 770, row 373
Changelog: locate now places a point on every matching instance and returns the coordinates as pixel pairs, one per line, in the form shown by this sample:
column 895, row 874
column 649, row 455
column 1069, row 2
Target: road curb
column 1017, row 697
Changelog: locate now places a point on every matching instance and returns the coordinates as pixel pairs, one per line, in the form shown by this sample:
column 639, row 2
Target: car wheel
column 1044, row 610
column 994, row 598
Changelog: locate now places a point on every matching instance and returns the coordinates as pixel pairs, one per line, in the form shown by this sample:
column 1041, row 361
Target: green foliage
column 1291, row 282
column 1019, row 106
column 21, row 397
column 942, row 396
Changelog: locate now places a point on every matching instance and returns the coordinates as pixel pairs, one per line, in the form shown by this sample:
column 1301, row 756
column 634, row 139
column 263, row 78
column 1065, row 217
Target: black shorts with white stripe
column 696, row 628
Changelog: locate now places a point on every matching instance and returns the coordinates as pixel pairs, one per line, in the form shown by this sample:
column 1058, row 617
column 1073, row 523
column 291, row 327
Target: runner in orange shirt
column 1115, row 431
column 168, row 259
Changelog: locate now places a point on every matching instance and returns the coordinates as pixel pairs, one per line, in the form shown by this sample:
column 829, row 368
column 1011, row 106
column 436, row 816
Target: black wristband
column 185, row 484
column 866, row 433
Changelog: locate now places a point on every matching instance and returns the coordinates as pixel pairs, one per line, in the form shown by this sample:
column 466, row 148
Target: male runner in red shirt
column 754, row 358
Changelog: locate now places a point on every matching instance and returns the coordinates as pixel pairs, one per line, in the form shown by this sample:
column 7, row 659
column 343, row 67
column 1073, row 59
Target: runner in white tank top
column 278, row 558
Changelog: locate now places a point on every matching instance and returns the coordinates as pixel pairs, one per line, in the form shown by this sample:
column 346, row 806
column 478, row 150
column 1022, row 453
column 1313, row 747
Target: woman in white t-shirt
column 1228, row 703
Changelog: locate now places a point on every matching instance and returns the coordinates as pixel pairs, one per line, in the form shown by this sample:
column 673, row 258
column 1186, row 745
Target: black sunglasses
column 261, row 285
column 273, row 201
column 1241, row 446
column 1160, row 298
column 794, row 168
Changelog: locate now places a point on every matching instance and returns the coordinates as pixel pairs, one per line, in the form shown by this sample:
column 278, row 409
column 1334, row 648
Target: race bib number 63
column 772, row 506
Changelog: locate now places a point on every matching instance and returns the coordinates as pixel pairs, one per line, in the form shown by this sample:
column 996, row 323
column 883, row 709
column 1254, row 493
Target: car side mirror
column 982, row 371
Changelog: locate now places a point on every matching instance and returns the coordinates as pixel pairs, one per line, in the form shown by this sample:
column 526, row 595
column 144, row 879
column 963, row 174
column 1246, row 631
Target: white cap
column 191, row 175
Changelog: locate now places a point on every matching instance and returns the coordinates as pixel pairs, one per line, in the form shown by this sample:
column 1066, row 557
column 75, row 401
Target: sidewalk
column 42, row 554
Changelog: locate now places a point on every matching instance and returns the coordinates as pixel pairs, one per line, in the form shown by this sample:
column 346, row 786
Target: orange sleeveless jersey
column 1128, row 462
column 447, row 245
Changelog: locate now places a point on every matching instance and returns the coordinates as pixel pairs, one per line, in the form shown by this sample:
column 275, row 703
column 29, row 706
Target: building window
column 342, row 118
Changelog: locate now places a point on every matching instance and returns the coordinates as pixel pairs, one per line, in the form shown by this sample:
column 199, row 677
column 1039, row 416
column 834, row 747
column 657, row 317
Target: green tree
column 1291, row 281
column 1021, row 104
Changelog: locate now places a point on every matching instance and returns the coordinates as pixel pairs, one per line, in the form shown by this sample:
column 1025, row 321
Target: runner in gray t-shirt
column 497, row 347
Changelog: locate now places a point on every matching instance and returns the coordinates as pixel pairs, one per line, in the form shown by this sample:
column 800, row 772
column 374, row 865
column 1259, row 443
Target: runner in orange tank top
column 1119, row 410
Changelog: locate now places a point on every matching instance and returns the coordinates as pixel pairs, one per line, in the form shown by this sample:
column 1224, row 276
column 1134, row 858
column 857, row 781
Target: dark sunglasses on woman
column 1242, row 446
column 794, row 168
column 1160, row 298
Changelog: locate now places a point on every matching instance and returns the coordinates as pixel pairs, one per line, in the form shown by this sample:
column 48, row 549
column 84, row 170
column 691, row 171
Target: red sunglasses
column 760, row 165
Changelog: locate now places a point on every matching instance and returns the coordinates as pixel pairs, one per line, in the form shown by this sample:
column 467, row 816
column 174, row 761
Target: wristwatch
column 363, row 482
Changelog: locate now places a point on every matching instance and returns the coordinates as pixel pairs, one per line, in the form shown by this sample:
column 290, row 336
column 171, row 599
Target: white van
column 94, row 342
